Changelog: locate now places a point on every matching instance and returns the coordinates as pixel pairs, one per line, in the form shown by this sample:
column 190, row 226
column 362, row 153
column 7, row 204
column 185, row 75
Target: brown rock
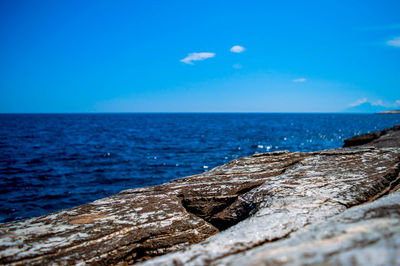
column 386, row 138
column 319, row 186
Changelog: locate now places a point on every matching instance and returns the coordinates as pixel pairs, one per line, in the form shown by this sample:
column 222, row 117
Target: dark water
column 50, row 162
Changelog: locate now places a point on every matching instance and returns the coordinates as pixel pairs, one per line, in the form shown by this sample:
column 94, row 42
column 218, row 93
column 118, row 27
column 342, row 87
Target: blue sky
column 175, row 56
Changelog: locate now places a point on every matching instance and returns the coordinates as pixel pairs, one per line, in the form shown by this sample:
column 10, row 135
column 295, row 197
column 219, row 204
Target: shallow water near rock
column 50, row 162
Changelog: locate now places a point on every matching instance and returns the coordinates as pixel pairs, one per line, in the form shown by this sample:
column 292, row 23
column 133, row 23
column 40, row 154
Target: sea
column 50, row 162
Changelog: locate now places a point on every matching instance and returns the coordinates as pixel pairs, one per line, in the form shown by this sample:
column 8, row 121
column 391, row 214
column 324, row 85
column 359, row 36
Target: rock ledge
column 281, row 207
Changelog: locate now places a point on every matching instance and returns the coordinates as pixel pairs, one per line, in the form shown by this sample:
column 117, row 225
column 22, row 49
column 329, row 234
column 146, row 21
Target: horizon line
column 211, row 112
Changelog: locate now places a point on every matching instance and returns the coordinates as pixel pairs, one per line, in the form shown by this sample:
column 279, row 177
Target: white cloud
column 237, row 66
column 300, row 80
column 376, row 103
column 395, row 42
column 237, row 49
column 196, row 57
column 386, row 104
column 358, row 102
column 396, row 104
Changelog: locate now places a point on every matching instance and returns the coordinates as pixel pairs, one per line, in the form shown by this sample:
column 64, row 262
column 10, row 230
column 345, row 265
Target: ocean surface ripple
column 50, row 162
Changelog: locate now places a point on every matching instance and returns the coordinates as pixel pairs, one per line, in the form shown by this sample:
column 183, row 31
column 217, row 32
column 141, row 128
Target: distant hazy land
column 370, row 108
column 390, row 112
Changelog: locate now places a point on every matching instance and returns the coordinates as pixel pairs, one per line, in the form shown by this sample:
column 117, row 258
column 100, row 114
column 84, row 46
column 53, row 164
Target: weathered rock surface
column 252, row 203
column 368, row 234
column 320, row 186
column 386, row 138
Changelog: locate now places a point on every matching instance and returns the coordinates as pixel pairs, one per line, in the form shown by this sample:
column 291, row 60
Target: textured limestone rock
column 368, row 234
column 252, row 202
column 321, row 185
column 386, row 138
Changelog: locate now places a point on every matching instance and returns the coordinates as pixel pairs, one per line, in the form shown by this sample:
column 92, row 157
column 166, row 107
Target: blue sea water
column 50, row 162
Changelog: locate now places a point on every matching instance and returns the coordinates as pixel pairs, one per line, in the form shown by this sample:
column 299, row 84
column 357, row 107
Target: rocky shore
column 339, row 206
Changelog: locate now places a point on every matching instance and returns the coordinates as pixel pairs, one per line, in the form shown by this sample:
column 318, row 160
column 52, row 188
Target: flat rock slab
column 249, row 202
column 386, row 138
column 368, row 234
column 320, row 186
